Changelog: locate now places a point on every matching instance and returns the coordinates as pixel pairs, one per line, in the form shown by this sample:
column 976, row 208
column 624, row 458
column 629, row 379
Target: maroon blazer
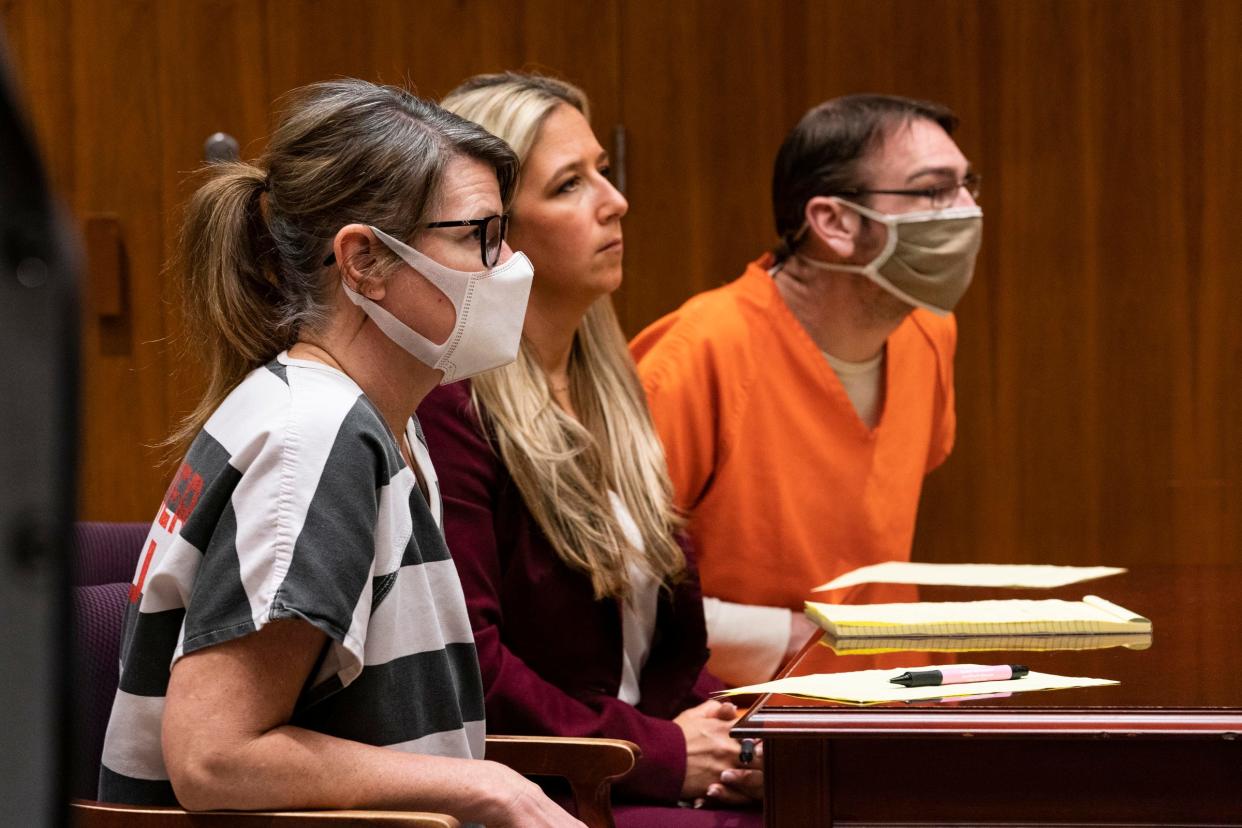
column 550, row 653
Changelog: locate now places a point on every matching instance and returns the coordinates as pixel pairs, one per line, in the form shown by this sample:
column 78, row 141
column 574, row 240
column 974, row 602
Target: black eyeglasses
column 491, row 234
column 940, row 197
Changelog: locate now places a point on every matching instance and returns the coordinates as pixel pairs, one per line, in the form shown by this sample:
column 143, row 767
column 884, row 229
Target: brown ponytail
column 229, row 303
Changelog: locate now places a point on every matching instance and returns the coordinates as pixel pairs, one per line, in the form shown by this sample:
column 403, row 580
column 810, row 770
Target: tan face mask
column 928, row 258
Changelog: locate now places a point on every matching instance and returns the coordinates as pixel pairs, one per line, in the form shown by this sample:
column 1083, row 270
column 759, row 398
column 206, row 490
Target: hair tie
column 267, row 183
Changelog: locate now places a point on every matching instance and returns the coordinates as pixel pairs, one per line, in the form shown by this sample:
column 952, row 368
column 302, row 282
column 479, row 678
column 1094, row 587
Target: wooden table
column 1161, row 748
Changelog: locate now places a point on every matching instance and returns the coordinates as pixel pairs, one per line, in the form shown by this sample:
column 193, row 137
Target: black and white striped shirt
column 294, row 502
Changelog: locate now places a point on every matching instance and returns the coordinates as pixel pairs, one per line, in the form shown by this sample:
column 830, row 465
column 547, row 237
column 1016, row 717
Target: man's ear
column 833, row 225
column 354, row 247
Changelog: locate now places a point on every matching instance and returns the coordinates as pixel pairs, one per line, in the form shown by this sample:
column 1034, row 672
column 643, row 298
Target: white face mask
column 928, row 258
column 490, row 305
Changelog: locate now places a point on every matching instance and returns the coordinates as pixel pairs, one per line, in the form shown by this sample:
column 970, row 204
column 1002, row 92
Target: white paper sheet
column 1035, row 576
column 874, row 687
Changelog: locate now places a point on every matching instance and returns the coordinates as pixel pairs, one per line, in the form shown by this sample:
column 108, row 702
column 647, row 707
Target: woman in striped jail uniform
column 297, row 636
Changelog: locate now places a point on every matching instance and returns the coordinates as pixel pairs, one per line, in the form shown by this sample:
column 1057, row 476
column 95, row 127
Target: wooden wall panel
column 206, row 84
column 1094, row 396
column 1098, row 407
column 581, row 43
column 1205, row 473
column 703, row 103
column 429, row 47
column 37, row 35
column 122, row 97
column 1028, row 325
column 1217, row 413
column 117, row 171
column 1146, row 233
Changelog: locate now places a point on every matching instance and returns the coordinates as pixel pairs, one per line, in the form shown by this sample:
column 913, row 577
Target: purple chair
column 102, row 566
column 105, row 553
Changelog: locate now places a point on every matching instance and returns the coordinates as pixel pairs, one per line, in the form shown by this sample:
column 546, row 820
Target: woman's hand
column 709, row 749
column 227, row 745
column 510, row 800
column 742, row 785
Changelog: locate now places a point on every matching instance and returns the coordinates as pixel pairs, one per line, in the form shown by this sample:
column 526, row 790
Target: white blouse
column 638, row 611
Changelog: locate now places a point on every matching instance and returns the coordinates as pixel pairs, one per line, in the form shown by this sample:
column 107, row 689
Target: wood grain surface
column 1098, row 407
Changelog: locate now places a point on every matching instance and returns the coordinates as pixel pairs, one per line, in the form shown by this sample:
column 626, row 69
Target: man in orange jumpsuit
column 802, row 404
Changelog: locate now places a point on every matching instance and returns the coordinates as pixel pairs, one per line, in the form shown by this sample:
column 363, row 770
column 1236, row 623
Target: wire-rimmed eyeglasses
column 940, row 196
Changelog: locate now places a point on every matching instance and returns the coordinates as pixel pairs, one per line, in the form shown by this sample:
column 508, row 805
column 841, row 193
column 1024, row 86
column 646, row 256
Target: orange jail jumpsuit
column 785, row 487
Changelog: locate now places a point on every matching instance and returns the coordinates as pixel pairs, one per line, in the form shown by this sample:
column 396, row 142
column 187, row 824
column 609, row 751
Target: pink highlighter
column 960, row 674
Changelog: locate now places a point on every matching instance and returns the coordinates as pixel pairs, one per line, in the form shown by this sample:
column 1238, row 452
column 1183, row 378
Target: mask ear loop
column 886, row 253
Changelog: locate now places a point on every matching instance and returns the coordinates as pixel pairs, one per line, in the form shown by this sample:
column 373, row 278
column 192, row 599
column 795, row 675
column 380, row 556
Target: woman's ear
column 832, row 225
column 354, row 247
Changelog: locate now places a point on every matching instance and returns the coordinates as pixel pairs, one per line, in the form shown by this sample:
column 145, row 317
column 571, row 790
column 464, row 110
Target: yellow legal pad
column 984, row 643
column 1049, row 617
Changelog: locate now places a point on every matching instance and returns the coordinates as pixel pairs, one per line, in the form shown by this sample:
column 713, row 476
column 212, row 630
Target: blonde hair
column 254, row 239
column 564, row 468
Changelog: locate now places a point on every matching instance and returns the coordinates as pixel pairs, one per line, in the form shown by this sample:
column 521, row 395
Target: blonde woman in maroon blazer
column 586, row 610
